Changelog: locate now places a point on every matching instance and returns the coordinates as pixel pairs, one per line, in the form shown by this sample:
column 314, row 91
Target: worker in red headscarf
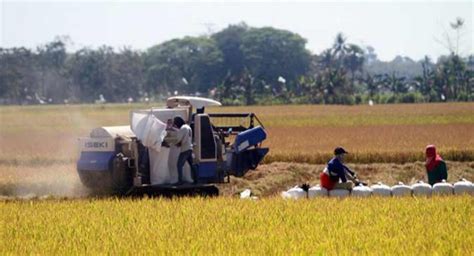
column 435, row 166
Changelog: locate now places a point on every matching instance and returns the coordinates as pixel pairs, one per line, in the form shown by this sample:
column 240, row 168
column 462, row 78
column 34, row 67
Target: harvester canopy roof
column 196, row 102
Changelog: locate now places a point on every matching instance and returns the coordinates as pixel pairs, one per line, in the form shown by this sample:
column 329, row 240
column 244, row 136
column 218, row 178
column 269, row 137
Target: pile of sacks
column 420, row 188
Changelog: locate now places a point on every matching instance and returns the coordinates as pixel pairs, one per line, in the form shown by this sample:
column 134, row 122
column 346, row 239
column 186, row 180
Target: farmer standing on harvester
column 336, row 174
column 184, row 142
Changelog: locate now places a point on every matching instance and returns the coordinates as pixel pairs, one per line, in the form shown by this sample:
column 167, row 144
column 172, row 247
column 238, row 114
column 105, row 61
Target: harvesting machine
column 114, row 159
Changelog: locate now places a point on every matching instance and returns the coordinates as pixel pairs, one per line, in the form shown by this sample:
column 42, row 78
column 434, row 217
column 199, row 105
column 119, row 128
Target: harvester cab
column 114, row 159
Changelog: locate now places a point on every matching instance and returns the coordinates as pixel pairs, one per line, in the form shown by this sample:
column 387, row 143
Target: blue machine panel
column 95, row 161
column 247, row 160
column 207, row 170
column 248, row 138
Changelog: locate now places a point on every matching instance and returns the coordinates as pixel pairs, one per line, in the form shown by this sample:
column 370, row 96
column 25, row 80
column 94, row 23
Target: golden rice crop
column 42, row 139
column 385, row 133
column 38, row 153
column 422, row 226
column 379, row 143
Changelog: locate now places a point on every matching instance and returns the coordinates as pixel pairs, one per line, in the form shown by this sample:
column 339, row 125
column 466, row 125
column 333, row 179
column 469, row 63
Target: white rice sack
column 463, row 187
column 361, row 191
column 339, row 193
column 245, row 194
column 401, row 190
column 149, row 129
column 317, row 191
column 294, row 193
column 421, row 189
column 443, row 188
column 381, row 189
column 285, row 195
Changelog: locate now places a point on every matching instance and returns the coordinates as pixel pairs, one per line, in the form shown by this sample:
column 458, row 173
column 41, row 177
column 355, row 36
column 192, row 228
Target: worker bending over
column 336, row 174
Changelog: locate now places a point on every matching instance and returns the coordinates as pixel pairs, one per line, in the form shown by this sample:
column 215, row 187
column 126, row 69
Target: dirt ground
column 61, row 180
column 273, row 178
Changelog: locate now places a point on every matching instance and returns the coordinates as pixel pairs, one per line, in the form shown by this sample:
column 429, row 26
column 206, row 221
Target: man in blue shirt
column 336, row 174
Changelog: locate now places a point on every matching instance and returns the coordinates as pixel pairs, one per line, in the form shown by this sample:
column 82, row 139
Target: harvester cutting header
column 142, row 158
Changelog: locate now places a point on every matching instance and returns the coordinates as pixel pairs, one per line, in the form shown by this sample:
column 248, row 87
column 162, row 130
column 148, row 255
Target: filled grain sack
column 443, row 188
column 149, row 130
column 381, row 189
column 463, row 186
column 317, row 191
column 361, row 191
column 339, row 193
column 401, row 190
column 245, row 194
column 159, row 172
column 173, row 156
column 294, row 193
column 421, row 189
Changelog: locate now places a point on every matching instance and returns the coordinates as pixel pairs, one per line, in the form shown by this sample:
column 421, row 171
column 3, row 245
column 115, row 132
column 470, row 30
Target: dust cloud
column 27, row 182
column 43, row 164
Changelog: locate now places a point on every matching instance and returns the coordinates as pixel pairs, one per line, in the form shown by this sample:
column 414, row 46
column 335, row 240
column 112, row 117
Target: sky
column 406, row 28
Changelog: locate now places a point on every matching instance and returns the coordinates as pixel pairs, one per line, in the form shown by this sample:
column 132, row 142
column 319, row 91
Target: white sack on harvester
column 149, row 130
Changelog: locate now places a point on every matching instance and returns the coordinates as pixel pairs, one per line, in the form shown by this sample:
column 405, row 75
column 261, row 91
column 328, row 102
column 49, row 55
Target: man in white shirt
column 184, row 142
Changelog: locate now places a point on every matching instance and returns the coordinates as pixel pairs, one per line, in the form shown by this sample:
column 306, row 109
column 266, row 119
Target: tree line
column 237, row 65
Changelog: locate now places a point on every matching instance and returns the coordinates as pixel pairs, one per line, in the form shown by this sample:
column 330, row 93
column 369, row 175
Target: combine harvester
column 114, row 159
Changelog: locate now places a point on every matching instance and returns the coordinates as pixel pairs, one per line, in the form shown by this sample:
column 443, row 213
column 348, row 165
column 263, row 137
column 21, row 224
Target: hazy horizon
column 408, row 29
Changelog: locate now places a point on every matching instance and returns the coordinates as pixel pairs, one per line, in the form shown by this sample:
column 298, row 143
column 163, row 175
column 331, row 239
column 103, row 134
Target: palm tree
column 395, row 84
column 424, row 83
column 372, row 86
column 326, row 59
column 354, row 60
column 339, row 47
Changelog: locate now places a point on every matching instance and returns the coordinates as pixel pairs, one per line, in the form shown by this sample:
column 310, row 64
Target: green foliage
column 115, row 76
column 189, row 65
column 270, row 53
column 257, row 59
column 229, row 41
column 17, row 80
column 237, row 65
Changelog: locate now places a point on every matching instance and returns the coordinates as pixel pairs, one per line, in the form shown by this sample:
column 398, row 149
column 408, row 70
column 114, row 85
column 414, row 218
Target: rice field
column 424, row 226
column 385, row 133
column 38, row 143
column 45, row 210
